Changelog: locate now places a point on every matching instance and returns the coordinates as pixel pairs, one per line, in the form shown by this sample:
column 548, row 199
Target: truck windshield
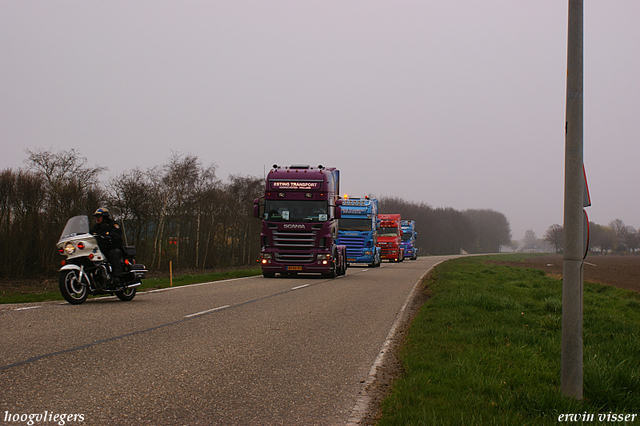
column 407, row 235
column 295, row 211
column 388, row 231
column 350, row 224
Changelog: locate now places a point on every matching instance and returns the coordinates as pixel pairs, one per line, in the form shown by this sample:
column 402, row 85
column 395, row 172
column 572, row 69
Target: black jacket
column 110, row 232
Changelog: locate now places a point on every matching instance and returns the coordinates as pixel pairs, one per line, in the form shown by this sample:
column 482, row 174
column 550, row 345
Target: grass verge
column 485, row 350
column 149, row 283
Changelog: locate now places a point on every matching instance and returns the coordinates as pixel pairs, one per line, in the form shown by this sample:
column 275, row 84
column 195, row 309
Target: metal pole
column 572, row 358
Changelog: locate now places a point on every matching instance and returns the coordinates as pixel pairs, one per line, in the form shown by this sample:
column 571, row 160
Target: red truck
column 390, row 237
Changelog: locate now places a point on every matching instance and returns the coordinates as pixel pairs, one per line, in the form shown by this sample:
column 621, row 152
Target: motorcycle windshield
column 77, row 225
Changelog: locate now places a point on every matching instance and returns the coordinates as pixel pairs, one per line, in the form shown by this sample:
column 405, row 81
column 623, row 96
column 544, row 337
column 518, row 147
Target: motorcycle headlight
column 69, row 248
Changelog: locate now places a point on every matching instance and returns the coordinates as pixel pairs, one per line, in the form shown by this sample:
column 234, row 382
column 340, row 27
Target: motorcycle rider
column 110, row 242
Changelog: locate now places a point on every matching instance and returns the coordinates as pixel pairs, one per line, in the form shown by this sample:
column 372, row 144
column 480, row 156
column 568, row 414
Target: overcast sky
column 453, row 103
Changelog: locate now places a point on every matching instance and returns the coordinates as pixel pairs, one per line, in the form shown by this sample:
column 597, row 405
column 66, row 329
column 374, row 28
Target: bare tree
column 130, row 193
column 180, row 177
column 620, row 231
column 206, row 186
column 529, row 240
column 68, row 179
column 601, row 237
column 629, row 238
column 555, row 236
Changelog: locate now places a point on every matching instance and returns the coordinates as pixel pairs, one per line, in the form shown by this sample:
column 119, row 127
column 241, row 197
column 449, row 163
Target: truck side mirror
column 338, row 213
column 256, row 207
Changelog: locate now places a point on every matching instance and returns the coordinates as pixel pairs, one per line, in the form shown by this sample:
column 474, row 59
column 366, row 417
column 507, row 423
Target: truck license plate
column 294, row 268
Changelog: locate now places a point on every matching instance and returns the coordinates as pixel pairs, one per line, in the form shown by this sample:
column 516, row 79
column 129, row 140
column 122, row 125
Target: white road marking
column 28, row 307
column 181, row 287
column 300, row 286
column 207, row 311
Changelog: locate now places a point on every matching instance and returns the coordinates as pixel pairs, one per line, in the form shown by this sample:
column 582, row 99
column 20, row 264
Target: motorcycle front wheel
column 126, row 294
column 73, row 290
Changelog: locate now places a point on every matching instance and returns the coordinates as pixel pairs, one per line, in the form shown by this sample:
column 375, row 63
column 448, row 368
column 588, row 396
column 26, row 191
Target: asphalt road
column 252, row 351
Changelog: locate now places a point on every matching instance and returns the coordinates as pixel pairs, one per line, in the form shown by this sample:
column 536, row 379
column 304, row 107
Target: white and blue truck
column 358, row 230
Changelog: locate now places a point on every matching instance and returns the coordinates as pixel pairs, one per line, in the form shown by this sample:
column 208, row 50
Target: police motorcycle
column 86, row 269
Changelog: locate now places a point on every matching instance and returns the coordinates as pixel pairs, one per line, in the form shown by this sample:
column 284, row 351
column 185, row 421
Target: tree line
column 449, row 231
column 611, row 238
column 180, row 212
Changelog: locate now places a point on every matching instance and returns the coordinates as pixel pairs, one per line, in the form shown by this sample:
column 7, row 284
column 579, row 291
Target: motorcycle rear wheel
column 73, row 290
column 126, row 294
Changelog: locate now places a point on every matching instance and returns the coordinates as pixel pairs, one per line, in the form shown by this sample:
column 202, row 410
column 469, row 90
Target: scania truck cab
column 389, row 237
column 299, row 210
column 358, row 230
column 409, row 236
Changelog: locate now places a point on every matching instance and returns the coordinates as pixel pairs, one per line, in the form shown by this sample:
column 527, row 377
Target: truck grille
column 354, row 244
column 284, row 257
column 289, row 242
column 385, row 250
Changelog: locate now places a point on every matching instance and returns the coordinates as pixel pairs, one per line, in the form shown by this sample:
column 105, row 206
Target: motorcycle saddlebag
column 129, row 251
column 138, row 270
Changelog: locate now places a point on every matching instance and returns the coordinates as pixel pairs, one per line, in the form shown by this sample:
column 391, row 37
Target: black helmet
column 102, row 212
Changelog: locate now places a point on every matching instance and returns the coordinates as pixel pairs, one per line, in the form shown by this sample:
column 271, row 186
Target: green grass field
column 485, row 350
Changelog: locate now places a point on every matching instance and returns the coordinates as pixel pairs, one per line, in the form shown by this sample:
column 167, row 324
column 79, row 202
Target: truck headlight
column 69, row 248
column 322, row 256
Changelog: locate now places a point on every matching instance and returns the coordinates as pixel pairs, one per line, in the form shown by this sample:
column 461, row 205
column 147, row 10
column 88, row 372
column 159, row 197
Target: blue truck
column 408, row 242
column 357, row 230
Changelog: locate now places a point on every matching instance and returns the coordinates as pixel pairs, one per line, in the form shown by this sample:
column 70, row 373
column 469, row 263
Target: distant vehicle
column 409, row 236
column 358, row 230
column 299, row 212
column 389, row 237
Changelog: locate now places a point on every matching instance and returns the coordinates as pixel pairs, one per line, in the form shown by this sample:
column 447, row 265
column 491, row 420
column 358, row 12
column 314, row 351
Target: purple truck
column 299, row 212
